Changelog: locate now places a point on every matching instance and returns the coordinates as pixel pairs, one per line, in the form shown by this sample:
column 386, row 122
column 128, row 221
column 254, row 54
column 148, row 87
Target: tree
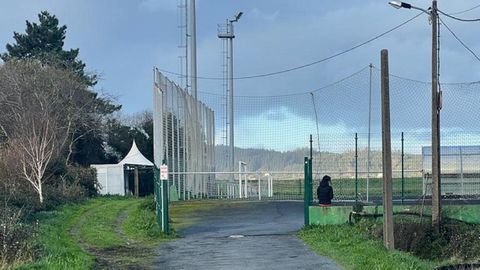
column 44, row 42
column 121, row 134
column 37, row 106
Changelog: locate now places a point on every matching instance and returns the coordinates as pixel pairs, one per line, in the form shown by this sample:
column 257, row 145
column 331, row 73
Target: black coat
column 325, row 194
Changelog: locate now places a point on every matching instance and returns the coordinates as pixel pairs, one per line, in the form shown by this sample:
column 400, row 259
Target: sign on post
column 164, row 172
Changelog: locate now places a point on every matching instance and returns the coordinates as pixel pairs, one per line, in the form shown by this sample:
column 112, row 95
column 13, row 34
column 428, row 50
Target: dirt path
column 129, row 255
column 245, row 236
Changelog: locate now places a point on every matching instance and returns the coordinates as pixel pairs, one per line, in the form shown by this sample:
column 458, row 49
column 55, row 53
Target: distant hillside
column 271, row 160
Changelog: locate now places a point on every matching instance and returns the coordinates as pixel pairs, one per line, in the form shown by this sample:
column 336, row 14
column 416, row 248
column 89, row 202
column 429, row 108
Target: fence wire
column 272, row 135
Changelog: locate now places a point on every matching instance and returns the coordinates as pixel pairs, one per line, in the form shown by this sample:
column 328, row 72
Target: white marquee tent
column 111, row 177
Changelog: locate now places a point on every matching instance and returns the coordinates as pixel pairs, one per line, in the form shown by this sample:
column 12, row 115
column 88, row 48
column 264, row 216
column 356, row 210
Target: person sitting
column 325, row 191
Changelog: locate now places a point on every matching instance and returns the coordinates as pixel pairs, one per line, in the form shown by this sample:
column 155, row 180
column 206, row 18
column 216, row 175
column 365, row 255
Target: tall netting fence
column 272, row 138
column 183, row 139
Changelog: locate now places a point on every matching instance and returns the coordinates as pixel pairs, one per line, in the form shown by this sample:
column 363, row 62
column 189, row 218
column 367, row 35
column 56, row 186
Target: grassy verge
column 60, row 250
column 141, row 225
column 351, row 248
column 354, row 247
column 110, row 232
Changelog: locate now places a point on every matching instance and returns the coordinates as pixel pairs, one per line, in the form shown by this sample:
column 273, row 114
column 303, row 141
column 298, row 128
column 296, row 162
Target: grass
column 140, row 223
column 60, row 250
column 68, row 235
column 116, row 232
column 355, row 248
column 96, row 227
column 344, row 188
column 351, row 248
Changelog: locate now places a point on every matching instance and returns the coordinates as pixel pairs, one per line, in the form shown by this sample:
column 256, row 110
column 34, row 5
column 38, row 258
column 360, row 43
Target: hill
column 271, row 160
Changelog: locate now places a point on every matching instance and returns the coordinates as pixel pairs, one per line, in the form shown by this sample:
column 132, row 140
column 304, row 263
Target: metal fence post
column 403, row 170
column 306, row 199
column 356, row 167
column 166, row 226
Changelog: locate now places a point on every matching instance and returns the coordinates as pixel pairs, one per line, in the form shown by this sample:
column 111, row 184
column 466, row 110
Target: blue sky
column 123, row 40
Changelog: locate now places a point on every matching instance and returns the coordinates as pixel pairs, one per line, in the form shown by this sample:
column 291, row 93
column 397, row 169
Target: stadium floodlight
column 237, row 17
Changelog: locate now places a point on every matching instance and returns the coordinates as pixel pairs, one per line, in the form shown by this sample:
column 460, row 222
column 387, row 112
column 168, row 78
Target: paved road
column 268, row 240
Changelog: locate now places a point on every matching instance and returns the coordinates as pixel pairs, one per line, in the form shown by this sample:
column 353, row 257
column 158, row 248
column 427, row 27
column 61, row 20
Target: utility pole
column 193, row 50
column 436, row 107
column 436, row 181
column 227, row 32
column 388, row 236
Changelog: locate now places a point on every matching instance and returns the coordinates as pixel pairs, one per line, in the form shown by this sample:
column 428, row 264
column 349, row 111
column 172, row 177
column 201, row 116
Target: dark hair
column 325, row 180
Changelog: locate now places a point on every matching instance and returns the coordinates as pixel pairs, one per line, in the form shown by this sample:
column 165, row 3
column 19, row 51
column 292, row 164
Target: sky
column 123, row 40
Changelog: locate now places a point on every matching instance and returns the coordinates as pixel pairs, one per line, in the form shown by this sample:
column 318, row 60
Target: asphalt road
column 249, row 235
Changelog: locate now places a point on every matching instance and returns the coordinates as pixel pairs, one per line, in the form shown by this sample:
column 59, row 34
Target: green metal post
column 403, row 175
column 356, row 167
column 306, row 202
column 310, row 182
column 310, row 173
column 165, row 189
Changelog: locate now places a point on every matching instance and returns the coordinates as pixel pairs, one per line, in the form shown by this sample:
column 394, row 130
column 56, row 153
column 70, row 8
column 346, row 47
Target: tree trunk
column 40, row 192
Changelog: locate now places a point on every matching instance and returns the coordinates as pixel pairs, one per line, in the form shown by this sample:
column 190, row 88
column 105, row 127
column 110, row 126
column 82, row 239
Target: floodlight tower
column 226, row 32
column 193, row 50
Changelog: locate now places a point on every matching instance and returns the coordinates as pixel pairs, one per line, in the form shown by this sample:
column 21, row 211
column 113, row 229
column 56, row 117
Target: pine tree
column 44, row 42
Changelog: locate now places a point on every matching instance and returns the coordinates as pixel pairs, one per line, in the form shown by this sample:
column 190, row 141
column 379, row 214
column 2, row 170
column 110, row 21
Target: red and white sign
column 164, row 172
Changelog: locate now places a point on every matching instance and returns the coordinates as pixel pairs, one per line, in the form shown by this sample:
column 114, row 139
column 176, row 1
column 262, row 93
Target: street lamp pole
column 436, row 181
column 436, row 106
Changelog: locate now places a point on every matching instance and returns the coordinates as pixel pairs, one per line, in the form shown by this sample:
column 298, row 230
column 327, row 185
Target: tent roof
column 134, row 157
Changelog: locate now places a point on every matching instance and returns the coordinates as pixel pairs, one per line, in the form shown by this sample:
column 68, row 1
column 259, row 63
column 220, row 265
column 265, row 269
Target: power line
column 426, row 82
column 311, row 63
column 459, row 19
column 459, row 40
column 299, row 93
column 466, row 10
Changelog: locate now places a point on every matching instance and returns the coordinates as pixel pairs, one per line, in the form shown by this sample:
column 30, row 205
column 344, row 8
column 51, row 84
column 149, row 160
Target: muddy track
column 129, row 255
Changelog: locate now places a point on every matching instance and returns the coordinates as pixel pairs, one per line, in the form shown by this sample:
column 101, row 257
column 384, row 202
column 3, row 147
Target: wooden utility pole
column 388, row 237
column 436, row 181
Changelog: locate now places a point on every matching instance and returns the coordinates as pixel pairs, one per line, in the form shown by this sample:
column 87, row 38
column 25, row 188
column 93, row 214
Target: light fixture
column 237, row 17
column 398, row 4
